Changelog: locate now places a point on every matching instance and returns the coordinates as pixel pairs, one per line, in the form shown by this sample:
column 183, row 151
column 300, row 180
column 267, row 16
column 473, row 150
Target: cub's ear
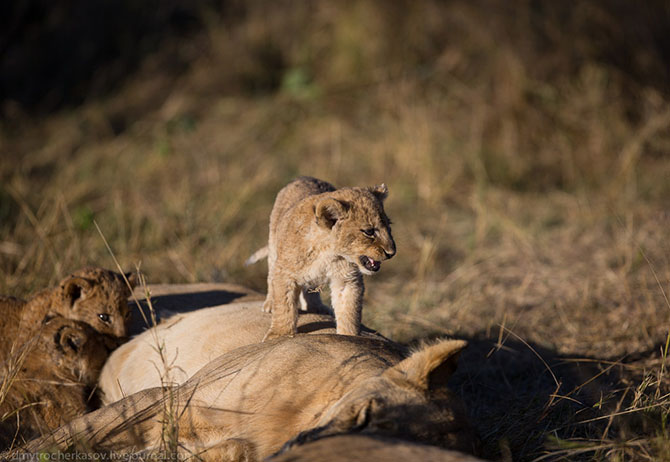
column 132, row 279
column 430, row 367
column 328, row 211
column 381, row 191
column 74, row 289
column 70, row 339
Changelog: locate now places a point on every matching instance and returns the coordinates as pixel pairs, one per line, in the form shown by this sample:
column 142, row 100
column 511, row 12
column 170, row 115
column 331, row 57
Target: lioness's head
column 356, row 219
column 409, row 401
column 98, row 297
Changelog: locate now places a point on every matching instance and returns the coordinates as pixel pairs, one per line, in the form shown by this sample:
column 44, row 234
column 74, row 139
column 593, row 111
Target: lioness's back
column 308, row 352
column 137, row 364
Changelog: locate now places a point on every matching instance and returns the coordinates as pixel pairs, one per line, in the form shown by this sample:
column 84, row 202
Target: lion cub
column 318, row 235
column 92, row 295
column 51, row 378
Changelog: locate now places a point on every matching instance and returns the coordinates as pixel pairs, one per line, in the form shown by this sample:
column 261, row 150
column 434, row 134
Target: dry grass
column 529, row 187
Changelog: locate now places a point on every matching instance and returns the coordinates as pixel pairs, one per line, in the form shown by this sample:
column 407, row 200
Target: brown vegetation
column 526, row 147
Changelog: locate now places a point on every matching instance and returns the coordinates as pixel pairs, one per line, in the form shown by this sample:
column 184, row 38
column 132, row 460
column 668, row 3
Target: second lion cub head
column 360, row 227
column 96, row 296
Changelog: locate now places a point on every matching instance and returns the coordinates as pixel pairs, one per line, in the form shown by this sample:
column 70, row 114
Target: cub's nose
column 389, row 253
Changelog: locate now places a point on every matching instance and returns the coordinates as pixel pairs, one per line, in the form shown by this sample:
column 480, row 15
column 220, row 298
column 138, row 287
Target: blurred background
column 525, row 145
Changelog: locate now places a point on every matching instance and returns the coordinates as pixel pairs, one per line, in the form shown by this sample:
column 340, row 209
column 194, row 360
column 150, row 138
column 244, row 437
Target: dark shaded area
column 167, row 305
column 58, row 54
column 631, row 37
column 186, row 302
column 508, row 390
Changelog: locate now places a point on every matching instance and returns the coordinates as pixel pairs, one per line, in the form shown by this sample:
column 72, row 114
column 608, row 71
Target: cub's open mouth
column 370, row 264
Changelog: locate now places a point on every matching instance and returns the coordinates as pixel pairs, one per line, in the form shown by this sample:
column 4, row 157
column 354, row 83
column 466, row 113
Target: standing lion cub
column 318, row 235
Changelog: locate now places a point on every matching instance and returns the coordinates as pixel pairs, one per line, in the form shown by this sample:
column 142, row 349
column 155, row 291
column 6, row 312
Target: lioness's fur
column 363, row 448
column 245, row 404
column 92, row 295
column 188, row 342
column 49, row 379
column 319, row 235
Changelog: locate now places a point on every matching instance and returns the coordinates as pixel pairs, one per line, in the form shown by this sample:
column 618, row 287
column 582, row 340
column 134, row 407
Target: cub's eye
column 369, row 232
column 104, row 317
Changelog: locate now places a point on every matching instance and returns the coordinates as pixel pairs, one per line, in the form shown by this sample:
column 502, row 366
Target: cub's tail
column 258, row 255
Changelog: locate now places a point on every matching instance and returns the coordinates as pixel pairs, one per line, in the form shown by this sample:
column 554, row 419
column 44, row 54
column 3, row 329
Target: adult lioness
column 318, row 235
column 245, row 404
column 170, row 353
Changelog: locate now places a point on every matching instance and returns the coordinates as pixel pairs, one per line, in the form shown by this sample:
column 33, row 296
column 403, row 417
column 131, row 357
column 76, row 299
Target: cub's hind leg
column 285, row 294
column 267, row 304
column 272, row 256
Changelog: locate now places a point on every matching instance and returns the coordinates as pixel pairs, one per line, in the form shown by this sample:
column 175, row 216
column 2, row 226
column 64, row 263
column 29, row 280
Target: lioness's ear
column 381, row 191
column 431, row 367
column 329, row 210
column 74, row 289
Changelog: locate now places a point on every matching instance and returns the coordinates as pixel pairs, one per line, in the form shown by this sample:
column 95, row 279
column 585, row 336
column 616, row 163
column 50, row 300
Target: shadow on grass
column 527, row 401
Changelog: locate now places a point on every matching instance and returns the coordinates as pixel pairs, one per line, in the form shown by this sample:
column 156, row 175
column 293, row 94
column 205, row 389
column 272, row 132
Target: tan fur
column 362, row 448
column 50, row 378
column 188, row 342
column 316, row 238
column 246, row 404
column 92, row 295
